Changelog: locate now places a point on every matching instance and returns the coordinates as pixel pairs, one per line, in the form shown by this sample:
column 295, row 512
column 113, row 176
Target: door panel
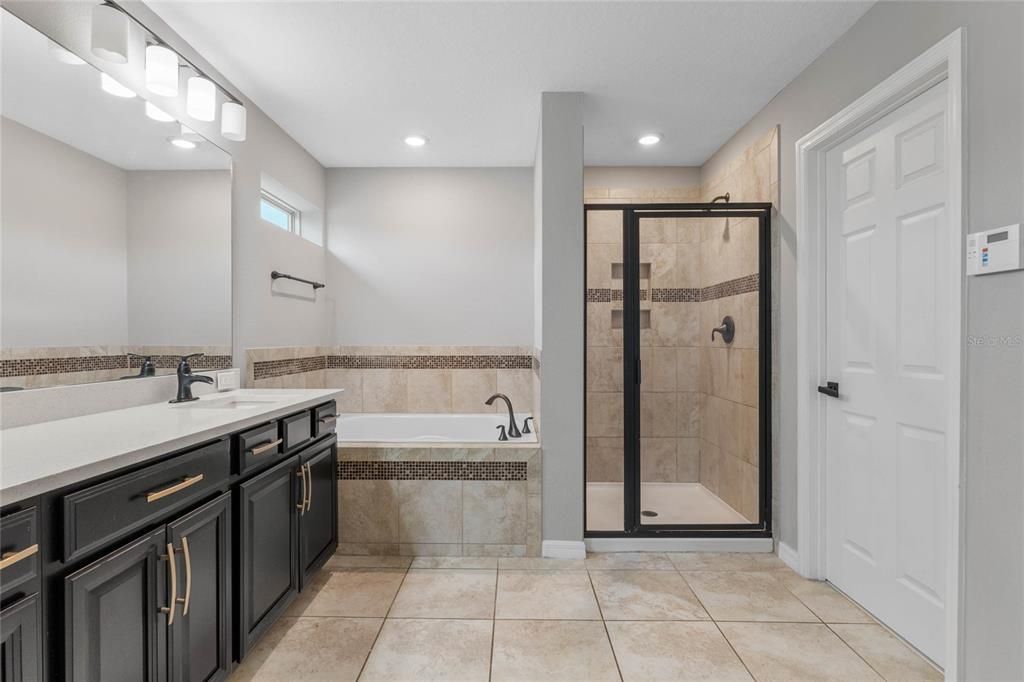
column 318, row 524
column 20, row 650
column 888, row 252
column 114, row 627
column 201, row 635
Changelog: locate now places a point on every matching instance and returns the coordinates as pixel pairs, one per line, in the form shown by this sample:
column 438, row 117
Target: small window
column 279, row 213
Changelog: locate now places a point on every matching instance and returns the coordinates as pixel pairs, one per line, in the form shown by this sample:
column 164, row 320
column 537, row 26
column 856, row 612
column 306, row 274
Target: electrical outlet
column 229, row 380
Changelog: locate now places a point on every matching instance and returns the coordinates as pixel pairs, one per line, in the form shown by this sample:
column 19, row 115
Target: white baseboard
column 758, row 545
column 563, row 549
column 789, row 556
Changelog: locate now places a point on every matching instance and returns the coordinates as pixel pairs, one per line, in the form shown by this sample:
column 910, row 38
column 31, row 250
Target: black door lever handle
column 831, row 389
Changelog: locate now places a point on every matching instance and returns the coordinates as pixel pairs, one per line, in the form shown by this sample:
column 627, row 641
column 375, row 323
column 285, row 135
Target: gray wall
column 885, row 39
column 431, row 256
column 559, row 204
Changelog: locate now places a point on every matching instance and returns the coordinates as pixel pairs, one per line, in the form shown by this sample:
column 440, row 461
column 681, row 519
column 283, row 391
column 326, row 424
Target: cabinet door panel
column 19, row 642
column 269, row 544
column 114, row 629
column 201, row 634
column 318, row 525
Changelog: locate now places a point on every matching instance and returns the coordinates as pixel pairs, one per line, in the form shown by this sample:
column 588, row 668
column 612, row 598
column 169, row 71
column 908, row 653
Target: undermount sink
column 247, row 403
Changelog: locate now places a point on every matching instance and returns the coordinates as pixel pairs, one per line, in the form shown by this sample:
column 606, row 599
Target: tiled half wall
column 439, row 379
column 439, row 501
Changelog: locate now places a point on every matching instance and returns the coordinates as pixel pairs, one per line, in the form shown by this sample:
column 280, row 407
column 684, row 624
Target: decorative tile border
column 206, row 362
column 732, row 287
column 268, row 369
column 430, row 471
column 429, row 362
column 38, row 366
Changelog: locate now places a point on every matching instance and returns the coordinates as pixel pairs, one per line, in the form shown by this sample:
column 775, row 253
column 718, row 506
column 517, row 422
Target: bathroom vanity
column 160, row 542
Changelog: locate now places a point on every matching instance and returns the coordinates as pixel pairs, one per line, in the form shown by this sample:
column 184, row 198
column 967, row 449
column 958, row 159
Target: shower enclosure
column 677, row 340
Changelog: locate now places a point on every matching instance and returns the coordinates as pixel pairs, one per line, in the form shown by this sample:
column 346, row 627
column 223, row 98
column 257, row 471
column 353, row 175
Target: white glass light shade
column 114, row 88
column 181, row 143
column 201, row 103
column 157, row 114
column 110, row 28
column 232, row 121
column 161, row 70
column 64, row 56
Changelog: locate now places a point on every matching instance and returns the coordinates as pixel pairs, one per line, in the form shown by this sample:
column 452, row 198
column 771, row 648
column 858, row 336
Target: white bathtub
column 427, row 428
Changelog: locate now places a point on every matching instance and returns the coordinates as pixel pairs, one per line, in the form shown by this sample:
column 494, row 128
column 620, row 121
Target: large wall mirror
column 115, row 227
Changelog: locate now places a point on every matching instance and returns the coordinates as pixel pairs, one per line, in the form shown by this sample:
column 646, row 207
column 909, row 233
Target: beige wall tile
column 688, row 419
column 352, row 381
column 368, row 511
column 429, row 390
column 385, row 390
column 517, row 384
column 471, row 387
column 604, row 369
column 709, row 456
column 430, row 511
column 604, row 415
column 658, row 460
column 747, row 433
column 658, row 413
column 599, row 264
column 659, row 369
column 688, row 460
column 688, row 361
column 604, row 227
column 494, row 512
column 604, row 459
column 599, row 325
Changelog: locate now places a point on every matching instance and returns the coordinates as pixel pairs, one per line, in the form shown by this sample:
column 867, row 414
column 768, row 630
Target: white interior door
column 888, row 247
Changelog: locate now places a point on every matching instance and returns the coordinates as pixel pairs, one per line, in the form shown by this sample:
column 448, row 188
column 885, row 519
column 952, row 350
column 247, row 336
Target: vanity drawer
column 19, row 552
column 297, row 429
column 107, row 511
column 325, row 419
column 258, row 446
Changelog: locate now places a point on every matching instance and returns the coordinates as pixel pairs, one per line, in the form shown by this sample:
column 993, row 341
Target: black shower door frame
column 632, row 371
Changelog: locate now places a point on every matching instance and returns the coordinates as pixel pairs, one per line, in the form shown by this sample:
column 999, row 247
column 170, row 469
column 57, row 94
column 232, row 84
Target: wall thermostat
column 996, row 250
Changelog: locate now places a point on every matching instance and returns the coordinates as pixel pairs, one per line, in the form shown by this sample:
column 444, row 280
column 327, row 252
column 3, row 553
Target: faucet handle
column 183, row 366
column 526, row 425
column 501, row 432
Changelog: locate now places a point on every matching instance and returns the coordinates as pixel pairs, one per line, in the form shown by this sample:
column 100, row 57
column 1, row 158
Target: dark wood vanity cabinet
column 172, row 569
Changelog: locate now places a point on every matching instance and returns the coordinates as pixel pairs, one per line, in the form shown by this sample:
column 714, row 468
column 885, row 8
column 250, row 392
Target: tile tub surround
column 44, row 367
column 440, row 501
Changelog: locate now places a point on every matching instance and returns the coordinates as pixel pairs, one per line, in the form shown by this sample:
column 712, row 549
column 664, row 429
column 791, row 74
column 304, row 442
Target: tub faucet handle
column 501, row 432
column 526, row 425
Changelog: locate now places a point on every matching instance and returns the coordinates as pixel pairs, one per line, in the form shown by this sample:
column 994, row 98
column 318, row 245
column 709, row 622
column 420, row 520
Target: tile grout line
column 494, row 626
column 383, row 622
column 717, row 626
column 855, row 652
column 604, row 624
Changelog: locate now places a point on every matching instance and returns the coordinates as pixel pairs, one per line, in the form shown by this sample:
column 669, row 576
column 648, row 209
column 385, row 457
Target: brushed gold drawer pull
column 170, row 490
column 188, row 577
column 11, row 558
column 173, row 593
column 266, row 447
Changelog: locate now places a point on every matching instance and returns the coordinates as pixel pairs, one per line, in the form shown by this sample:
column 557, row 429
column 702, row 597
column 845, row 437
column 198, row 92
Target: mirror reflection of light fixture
column 181, row 143
column 232, row 121
column 201, row 100
column 110, row 28
column 161, row 70
column 64, row 56
column 157, row 114
column 114, row 88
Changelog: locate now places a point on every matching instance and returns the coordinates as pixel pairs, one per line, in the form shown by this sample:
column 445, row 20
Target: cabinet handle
column 11, row 558
column 172, row 567
column 309, row 486
column 266, row 447
column 170, row 490
column 329, row 419
column 188, row 577
column 302, row 504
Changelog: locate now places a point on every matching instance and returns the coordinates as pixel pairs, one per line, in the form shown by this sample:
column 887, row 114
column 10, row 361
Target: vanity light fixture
column 157, row 114
column 162, row 70
column 201, row 100
column 650, row 139
column 232, row 121
column 114, row 88
column 110, row 27
column 181, row 143
column 415, row 140
column 65, row 56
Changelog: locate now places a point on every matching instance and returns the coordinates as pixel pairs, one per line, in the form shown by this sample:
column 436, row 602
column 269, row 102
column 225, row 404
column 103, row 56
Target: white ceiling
column 348, row 80
column 65, row 102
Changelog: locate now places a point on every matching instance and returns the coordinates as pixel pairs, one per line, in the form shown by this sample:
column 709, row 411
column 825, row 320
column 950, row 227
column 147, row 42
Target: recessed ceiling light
column 415, row 140
column 649, row 139
column 181, row 143
column 114, row 88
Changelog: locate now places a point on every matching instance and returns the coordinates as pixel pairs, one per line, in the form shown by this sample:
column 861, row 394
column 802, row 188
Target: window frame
column 294, row 214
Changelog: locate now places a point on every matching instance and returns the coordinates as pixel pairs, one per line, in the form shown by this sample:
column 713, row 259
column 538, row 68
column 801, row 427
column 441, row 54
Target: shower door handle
column 831, row 389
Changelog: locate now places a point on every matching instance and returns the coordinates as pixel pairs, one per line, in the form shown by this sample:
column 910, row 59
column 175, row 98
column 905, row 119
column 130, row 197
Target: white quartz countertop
column 42, row 457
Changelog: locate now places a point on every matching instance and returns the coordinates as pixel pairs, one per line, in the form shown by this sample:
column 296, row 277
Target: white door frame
column 941, row 62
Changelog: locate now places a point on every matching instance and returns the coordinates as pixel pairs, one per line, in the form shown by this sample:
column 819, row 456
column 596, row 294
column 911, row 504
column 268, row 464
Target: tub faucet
column 513, row 430
column 186, row 378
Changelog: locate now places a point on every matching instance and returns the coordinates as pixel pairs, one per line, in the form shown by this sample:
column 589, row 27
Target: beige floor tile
column 546, row 595
column 725, row 561
column 795, row 651
column 751, row 596
column 311, row 649
column 890, row 657
column 644, row 561
column 824, row 600
column 430, row 650
column 445, row 593
column 674, row 651
column 339, row 561
column 541, row 563
column 481, row 562
column 531, row 650
column 357, row 592
column 645, row 595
